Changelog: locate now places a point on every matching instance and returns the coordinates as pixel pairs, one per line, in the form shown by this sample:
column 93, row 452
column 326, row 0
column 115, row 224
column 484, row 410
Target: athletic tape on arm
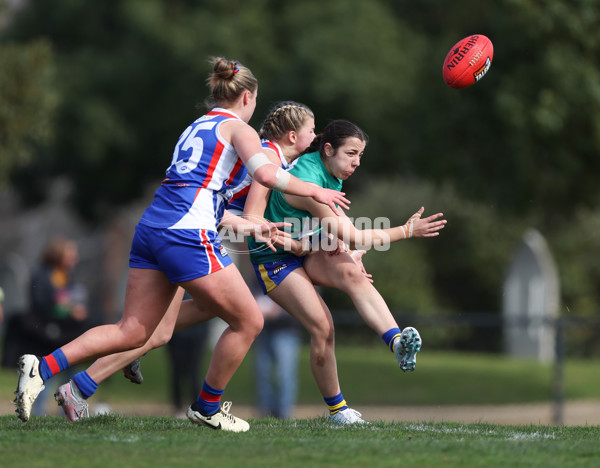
column 256, row 161
column 407, row 229
column 283, row 179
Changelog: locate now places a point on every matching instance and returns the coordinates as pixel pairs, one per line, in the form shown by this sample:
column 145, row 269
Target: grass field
column 120, row 441
column 441, row 378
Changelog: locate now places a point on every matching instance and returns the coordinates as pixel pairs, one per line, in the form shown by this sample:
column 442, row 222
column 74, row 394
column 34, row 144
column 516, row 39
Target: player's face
column 345, row 160
column 305, row 134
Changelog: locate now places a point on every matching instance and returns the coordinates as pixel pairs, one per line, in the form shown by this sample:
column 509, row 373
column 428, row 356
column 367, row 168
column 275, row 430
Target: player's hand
column 270, row 234
column 299, row 247
column 340, row 246
column 424, row 227
column 357, row 255
column 332, row 198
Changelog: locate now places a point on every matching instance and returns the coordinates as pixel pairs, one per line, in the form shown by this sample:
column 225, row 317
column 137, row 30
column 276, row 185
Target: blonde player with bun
column 176, row 245
column 298, row 119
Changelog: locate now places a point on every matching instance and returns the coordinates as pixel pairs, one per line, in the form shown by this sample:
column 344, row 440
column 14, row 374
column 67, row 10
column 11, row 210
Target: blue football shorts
column 271, row 274
column 181, row 254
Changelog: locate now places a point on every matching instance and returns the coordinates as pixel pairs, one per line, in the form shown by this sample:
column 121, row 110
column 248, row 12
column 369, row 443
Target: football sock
column 52, row 364
column 336, row 403
column 389, row 337
column 209, row 399
column 86, row 385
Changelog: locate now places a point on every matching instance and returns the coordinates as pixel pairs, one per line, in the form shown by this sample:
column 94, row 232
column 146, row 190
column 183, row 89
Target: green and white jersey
column 309, row 168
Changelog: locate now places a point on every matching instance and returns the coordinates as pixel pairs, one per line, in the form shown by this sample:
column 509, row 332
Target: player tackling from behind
column 176, row 245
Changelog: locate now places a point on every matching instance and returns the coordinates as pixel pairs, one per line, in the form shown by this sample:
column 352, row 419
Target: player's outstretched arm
column 342, row 227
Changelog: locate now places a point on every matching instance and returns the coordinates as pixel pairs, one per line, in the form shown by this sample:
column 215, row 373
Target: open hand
column 424, row 227
column 332, row 198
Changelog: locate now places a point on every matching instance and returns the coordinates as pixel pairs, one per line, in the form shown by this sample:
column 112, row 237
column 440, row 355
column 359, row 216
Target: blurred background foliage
column 98, row 92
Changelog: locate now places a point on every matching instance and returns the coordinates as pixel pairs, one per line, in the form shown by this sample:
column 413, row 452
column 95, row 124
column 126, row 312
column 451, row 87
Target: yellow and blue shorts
column 271, row 274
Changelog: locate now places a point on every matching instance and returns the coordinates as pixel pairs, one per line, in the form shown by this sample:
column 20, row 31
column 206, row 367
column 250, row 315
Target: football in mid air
column 468, row 61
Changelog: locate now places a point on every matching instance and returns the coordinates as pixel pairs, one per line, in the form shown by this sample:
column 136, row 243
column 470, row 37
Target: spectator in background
column 54, row 293
column 58, row 302
column 276, row 360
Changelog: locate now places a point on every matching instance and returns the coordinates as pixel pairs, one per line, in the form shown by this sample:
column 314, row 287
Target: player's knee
column 137, row 339
column 255, row 325
column 133, row 336
column 351, row 277
column 161, row 338
column 323, row 335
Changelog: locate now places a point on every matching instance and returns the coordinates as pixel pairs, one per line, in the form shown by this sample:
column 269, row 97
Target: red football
column 468, row 61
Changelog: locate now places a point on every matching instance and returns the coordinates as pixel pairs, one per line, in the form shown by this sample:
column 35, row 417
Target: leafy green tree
column 528, row 134
column 27, row 103
column 130, row 75
column 114, row 84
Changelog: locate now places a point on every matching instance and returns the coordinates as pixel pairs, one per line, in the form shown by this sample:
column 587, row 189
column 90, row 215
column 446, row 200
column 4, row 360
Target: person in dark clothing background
column 57, row 301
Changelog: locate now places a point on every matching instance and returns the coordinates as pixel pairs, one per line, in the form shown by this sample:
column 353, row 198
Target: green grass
column 113, row 440
column 369, row 375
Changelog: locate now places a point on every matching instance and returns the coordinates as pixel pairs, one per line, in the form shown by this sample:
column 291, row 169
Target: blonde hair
column 228, row 81
column 284, row 117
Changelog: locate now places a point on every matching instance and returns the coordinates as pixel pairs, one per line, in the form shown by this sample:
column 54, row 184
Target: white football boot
column 221, row 420
column 347, row 416
column 30, row 385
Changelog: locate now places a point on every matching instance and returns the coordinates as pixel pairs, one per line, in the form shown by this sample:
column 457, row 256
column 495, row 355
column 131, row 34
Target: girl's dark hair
column 228, row 81
column 336, row 133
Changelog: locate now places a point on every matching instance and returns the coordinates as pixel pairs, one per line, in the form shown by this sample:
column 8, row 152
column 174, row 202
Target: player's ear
column 329, row 151
column 246, row 97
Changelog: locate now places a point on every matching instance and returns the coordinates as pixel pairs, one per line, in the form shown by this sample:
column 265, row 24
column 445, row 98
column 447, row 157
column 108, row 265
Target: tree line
column 98, row 92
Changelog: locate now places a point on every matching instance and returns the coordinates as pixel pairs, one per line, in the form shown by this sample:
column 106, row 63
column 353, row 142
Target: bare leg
column 297, row 295
column 191, row 314
column 149, row 294
column 340, row 272
column 225, row 294
column 186, row 313
column 106, row 366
